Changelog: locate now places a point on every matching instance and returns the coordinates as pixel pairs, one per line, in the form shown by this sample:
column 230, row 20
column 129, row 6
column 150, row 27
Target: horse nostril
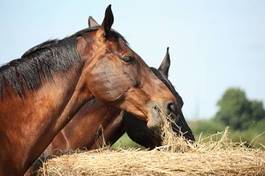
column 156, row 108
column 172, row 107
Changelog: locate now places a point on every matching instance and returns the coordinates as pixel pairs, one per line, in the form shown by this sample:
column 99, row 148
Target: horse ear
column 92, row 22
column 108, row 20
column 164, row 66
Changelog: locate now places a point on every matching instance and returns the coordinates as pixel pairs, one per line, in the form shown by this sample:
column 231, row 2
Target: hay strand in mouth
column 171, row 141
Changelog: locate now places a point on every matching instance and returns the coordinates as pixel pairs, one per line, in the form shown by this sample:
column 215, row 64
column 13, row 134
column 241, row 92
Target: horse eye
column 127, row 59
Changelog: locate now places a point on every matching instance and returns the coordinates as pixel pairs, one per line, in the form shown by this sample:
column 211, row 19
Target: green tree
column 236, row 111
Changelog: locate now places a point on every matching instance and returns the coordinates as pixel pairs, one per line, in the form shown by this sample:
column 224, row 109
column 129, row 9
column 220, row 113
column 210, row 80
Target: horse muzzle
column 157, row 112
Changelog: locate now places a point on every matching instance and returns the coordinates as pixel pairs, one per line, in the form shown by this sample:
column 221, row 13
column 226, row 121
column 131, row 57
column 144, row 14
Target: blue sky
column 213, row 44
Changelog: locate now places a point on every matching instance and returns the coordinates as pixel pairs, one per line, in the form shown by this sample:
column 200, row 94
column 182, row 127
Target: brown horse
column 96, row 120
column 42, row 91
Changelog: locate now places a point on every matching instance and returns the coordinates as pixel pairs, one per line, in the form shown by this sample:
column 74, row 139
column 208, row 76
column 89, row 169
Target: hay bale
column 135, row 162
column 175, row 157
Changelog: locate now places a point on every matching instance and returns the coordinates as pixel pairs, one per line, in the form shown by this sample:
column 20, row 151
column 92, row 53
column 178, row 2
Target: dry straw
column 176, row 157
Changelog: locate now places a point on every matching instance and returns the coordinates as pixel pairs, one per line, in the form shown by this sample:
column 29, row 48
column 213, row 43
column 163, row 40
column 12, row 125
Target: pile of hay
column 107, row 162
column 175, row 157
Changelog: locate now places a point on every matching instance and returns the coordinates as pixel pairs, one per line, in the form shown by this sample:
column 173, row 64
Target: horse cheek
column 108, row 83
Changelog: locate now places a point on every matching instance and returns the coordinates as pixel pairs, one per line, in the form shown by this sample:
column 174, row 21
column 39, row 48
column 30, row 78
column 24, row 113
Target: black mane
column 39, row 63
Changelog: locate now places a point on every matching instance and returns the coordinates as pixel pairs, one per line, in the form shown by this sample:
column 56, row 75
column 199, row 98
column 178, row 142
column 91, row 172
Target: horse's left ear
column 92, row 22
column 108, row 20
column 164, row 66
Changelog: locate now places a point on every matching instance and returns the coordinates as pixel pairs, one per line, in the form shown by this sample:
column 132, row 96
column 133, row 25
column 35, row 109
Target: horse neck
column 114, row 130
column 85, row 128
column 110, row 133
column 29, row 124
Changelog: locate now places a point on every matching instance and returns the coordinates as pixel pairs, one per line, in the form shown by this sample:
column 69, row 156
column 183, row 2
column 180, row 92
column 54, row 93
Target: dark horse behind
column 137, row 129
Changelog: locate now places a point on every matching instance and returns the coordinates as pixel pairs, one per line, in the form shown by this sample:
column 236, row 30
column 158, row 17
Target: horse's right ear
column 108, row 21
column 164, row 66
column 92, row 22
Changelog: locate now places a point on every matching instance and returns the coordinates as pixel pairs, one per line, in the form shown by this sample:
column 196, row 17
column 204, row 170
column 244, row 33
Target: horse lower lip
column 155, row 130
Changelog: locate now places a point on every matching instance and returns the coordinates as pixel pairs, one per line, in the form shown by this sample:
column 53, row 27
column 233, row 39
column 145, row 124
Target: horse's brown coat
column 28, row 124
column 96, row 123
